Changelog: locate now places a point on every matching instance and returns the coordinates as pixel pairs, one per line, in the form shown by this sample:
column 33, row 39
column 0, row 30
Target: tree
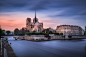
column 34, row 31
column 50, row 32
column 1, row 32
column 85, row 33
column 28, row 31
column 56, row 33
column 85, row 30
column 20, row 33
column 61, row 34
column 8, row 32
column 16, row 31
column 45, row 31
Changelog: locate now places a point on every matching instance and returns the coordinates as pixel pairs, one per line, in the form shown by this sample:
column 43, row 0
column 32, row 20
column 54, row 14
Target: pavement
column 1, row 49
column 7, row 50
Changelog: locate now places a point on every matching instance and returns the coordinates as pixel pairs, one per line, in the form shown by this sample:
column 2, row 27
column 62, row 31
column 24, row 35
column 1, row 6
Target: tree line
column 18, row 32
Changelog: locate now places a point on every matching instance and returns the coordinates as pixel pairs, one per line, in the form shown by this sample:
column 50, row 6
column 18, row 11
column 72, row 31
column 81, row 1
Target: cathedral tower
column 28, row 21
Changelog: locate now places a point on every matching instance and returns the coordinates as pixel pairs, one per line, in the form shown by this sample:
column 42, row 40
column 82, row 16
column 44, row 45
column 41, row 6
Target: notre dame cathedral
column 35, row 25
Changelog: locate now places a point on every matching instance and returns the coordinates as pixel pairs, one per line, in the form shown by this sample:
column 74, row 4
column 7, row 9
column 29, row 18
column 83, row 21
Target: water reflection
column 13, row 39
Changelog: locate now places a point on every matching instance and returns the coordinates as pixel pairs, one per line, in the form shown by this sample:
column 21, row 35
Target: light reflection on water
column 54, row 48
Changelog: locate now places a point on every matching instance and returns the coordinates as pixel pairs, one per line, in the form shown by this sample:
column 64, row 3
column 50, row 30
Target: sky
column 13, row 13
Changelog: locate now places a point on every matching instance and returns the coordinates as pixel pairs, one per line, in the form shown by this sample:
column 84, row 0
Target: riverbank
column 1, row 49
column 53, row 48
column 43, row 38
column 7, row 50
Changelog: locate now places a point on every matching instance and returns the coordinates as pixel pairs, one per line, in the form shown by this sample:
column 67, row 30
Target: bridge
column 6, row 37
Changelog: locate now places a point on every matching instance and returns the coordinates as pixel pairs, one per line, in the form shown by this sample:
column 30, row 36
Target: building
column 70, row 30
column 48, row 29
column 51, row 29
column 23, row 30
column 35, row 25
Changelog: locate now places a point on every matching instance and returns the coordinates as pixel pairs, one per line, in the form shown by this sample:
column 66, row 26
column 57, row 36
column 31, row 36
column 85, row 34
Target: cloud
column 1, row 14
column 83, row 12
column 70, row 9
column 10, row 20
column 11, row 24
column 39, row 4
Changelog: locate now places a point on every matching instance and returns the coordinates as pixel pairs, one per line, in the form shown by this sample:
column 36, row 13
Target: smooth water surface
column 54, row 48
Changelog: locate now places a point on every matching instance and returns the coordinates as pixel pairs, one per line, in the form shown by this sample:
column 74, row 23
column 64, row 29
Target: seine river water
column 54, row 48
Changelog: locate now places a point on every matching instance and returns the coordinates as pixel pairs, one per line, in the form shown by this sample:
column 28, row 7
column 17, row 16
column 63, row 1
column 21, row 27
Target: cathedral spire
column 35, row 19
column 35, row 14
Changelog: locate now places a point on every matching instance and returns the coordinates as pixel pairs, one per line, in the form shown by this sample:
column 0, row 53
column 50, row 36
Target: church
column 35, row 25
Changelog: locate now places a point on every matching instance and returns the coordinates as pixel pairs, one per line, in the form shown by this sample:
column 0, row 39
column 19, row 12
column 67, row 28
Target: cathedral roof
column 31, row 23
column 37, row 23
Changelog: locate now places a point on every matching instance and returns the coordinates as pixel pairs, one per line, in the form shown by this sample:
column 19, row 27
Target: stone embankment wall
column 57, row 37
column 33, row 37
column 63, row 37
column 8, row 51
column 41, row 37
column 78, row 36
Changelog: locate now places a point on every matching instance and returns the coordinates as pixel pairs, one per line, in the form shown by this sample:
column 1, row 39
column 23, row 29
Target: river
column 54, row 48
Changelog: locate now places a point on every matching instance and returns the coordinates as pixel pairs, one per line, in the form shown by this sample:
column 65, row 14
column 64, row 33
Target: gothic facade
column 35, row 25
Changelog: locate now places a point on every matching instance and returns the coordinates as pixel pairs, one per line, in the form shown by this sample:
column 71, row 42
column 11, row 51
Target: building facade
column 70, row 30
column 23, row 30
column 35, row 25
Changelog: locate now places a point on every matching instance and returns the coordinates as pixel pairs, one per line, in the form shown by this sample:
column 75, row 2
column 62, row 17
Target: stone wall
column 57, row 37
column 63, row 37
column 33, row 37
column 78, row 36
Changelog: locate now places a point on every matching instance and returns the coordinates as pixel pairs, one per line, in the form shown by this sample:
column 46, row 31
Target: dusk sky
column 13, row 13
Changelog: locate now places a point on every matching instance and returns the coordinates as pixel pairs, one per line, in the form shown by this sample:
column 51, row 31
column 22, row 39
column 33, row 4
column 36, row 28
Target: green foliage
column 45, row 31
column 50, row 32
column 42, row 33
column 34, row 31
column 85, row 33
column 1, row 32
column 56, row 33
column 60, row 33
column 16, row 31
column 20, row 33
column 28, row 31
column 8, row 32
